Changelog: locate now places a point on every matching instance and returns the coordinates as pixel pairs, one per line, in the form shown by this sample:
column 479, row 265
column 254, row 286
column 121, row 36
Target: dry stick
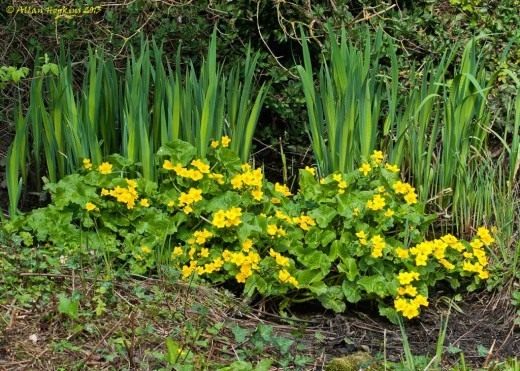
column 265, row 42
column 490, row 353
column 367, row 17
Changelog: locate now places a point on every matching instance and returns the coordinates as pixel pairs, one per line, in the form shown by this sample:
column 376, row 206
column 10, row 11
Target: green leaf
column 351, row 292
column 314, row 260
column 349, row 267
column 323, row 215
column 178, row 151
column 240, row 333
column 333, row 299
column 68, row 306
column 375, row 284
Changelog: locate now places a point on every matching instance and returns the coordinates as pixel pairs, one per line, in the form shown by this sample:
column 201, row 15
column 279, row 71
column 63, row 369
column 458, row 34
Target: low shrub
column 339, row 239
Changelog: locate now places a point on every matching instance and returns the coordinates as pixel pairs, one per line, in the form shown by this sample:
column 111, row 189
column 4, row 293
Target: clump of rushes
column 339, row 239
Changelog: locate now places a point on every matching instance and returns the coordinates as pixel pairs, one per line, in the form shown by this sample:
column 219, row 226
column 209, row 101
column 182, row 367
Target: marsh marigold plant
column 338, row 239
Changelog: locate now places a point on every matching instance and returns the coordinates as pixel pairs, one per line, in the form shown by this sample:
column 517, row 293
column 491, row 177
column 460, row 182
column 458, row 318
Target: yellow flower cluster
column 305, row 222
column 281, row 260
column 225, row 140
column 409, row 307
column 378, row 245
column 249, row 178
column 126, row 195
column 186, row 200
column 392, row 168
column 248, row 263
column 227, row 218
column 193, row 174
column 273, row 230
column 87, row 164
column 476, row 260
column 376, row 203
column 283, row 189
column 362, row 236
column 342, row 184
column 377, row 157
column 407, row 190
column 285, row 277
column 202, row 236
column 208, row 268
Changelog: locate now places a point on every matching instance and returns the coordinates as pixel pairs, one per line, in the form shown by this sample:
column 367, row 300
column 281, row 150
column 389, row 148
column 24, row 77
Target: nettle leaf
column 178, row 151
column 323, row 215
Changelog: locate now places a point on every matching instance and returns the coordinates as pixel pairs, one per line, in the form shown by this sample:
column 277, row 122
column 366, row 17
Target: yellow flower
column 177, row 251
column 90, row 206
column 145, row 249
column 401, row 188
column 202, row 236
column 285, row 277
column 420, row 300
column 87, row 164
column 377, row 157
column 219, row 178
column 144, row 202
column 310, row 170
column 247, row 245
column 392, row 168
column 283, row 189
column 279, row 258
column 476, row 244
column 485, row 236
column 105, row 168
column 365, row 168
column 225, row 140
column 406, row 278
column 214, row 143
column 411, row 198
column 407, row 290
column 402, row 253
column 275, row 200
column 389, row 213
column 167, row 164
column 376, row 203
column 201, row 166
column 362, row 237
column 305, row 222
column 272, row 229
column 105, row 192
column 204, row 252
column 257, row 194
